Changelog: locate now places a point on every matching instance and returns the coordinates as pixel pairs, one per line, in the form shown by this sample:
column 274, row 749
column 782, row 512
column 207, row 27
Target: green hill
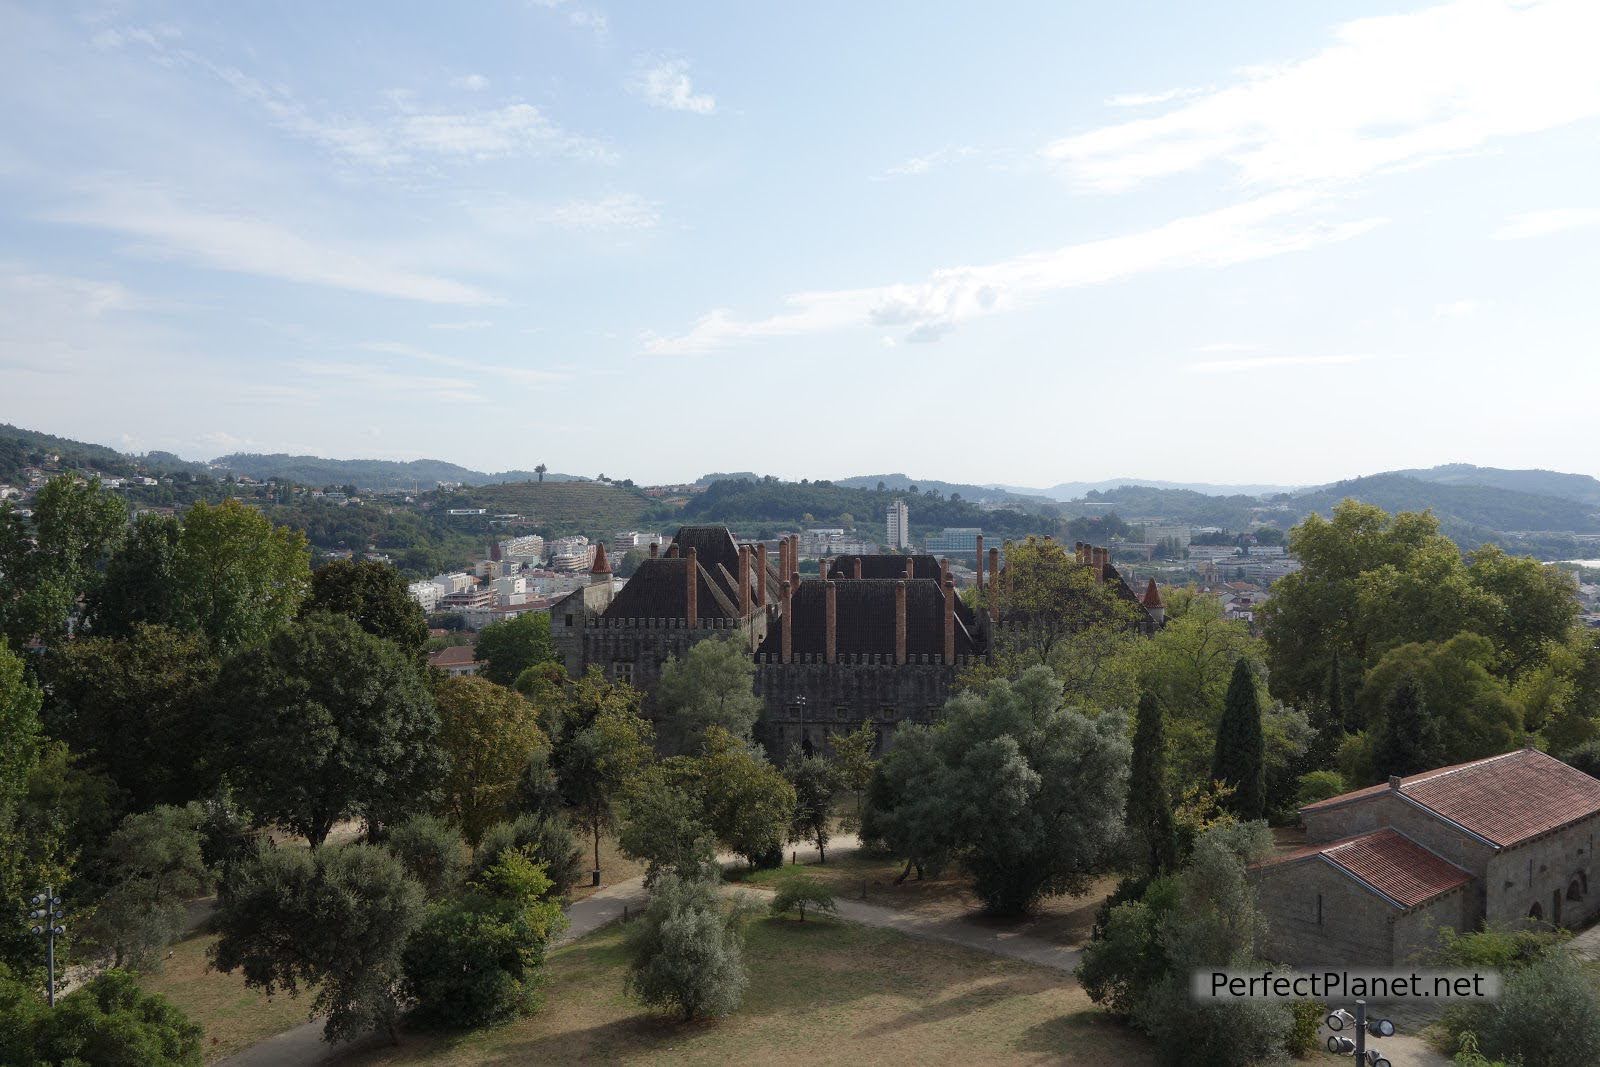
column 21, row 448
column 368, row 474
column 1579, row 487
column 560, row 507
column 768, row 501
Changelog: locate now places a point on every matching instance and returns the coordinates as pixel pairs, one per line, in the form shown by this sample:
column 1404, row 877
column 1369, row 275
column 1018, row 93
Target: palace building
column 879, row 640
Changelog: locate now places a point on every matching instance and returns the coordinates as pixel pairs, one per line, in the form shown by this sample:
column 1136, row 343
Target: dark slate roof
column 659, row 590
column 866, row 620
column 713, row 545
column 893, row 567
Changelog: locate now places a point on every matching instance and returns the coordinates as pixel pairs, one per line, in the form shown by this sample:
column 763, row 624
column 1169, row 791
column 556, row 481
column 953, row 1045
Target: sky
column 1022, row 243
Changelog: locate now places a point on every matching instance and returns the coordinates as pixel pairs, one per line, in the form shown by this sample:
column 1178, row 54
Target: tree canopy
column 325, row 721
column 713, row 684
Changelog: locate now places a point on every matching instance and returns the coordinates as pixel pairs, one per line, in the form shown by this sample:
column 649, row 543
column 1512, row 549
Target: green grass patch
column 232, row 1015
column 822, row 991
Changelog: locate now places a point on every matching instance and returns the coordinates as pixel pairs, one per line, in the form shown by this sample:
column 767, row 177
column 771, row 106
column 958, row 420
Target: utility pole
column 47, row 906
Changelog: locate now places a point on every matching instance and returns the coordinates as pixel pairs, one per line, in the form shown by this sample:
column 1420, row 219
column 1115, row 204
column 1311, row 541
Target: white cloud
column 1391, row 91
column 1147, row 99
column 923, row 164
column 591, row 20
column 492, row 372
column 402, row 131
column 1543, row 223
column 1456, row 309
column 1225, row 366
column 1266, row 226
column 473, row 83
column 665, row 83
column 248, row 244
column 621, row 211
column 469, row 324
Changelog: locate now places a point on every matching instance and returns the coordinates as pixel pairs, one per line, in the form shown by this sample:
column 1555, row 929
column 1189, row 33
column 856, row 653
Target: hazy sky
column 1280, row 242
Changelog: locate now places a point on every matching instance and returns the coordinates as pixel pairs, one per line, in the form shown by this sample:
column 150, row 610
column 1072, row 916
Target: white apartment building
column 898, row 526
column 510, row 591
column 425, row 593
column 629, row 540
column 528, row 548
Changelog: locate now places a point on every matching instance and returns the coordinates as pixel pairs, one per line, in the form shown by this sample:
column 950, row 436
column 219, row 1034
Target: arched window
column 1575, row 889
column 1536, row 913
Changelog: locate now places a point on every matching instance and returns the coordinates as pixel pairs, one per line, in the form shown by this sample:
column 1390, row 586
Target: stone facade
column 879, row 641
column 1518, row 829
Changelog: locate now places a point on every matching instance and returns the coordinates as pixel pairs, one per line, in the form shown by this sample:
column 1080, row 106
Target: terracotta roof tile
column 453, row 656
column 1504, row 799
column 1388, row 862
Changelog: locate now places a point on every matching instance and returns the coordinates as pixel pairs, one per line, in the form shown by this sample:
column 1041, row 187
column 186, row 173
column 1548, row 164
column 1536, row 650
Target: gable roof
column 1392, row 865
column 865, row 621
column 453, row 656
column 1504, row 799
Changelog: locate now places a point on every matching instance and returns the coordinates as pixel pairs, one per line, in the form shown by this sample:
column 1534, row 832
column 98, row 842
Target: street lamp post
column 1361, row 1026
column 800, row 710
column 47, row 907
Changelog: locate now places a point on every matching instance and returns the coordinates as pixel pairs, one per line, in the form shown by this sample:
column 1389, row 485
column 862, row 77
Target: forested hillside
column 368, row 474
column 745, row 502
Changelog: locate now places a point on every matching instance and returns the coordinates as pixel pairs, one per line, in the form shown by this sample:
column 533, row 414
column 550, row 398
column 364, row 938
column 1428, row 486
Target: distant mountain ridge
column 370, row 474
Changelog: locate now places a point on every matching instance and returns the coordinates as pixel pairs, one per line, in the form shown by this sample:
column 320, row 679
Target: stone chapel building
column 1499, row 840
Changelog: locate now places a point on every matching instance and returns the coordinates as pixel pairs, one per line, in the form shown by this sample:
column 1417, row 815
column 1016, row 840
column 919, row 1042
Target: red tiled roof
column 453, row 656
column 1152, row 595
column 1504, row 799
column 600, row 564
column 1388, row 862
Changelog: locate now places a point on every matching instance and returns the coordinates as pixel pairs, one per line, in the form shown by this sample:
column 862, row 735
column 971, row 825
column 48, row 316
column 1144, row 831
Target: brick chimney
column 949, row 621
column 944, row 569
column 994, row 585
column 857, row 567
column 911, row 567
column 744, row 580
column 830, row 646
column 761, row 573
column 900, row 622
column 980, row 563
column 672, row 550
column 655, row 549
column 693, row 589
column 786, row 646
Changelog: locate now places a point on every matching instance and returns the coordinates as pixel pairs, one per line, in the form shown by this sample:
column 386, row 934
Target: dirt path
column 304, row 1044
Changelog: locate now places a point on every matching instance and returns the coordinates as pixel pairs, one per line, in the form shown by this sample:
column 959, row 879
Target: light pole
column 47, row 906
column 1361, row 1026
column 800, row 711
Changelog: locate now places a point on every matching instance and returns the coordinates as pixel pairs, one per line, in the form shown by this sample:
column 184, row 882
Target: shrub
column 336, row 920
column 155, row 865
column 546, row 841
column 1320, row 785
column 1125, row 958
column 798, row 894
column 1548, row 1015
column 433, row 853
column 661, row 825
column 109, row 1022
column 475, row 962
column 687, row 951
column 1307, row 1017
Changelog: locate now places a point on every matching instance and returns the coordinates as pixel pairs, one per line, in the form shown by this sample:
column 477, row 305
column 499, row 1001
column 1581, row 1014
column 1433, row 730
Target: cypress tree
column 1239, row 757
column 1408, row 741
column 1336, row 696
column 1149, row 805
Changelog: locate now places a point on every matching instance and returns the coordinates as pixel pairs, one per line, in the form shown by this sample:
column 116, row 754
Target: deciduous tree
column 325, row 721
column 375, row 596
column 511, row 646
column 712, row 685
column 488, row 733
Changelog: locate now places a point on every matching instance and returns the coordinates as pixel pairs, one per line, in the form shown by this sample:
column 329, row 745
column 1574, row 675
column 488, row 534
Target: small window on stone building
column 569, row 620
column 622, row 672
column 1536, row 913
column 1575, row 890
column 1319, row 909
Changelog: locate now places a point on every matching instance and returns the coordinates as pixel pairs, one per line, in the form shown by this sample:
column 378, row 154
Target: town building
column 1501, row 840
column 876, row 639
column 1160, row 535
column 898, row 526
column 426, row 594
column 527, row 549
column 954, row 541
column 455, row 660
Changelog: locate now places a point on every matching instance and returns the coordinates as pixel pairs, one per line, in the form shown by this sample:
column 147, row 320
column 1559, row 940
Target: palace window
column 622, row 672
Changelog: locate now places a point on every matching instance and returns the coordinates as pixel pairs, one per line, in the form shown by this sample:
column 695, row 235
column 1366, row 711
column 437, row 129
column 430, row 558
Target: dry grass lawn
column 233, row 1016
column 820, row 992
column 614, row 866
column 1063, row 920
